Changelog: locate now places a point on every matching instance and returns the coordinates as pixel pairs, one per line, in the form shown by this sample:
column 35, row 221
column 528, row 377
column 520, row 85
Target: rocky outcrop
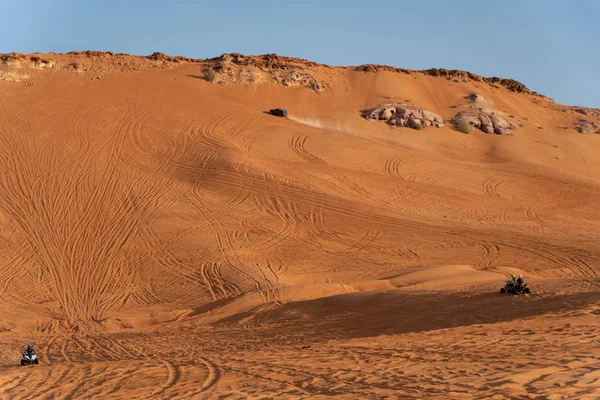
column 585, row 126
column 18, row 60
column 277, row 62
column 236, row 68
column 17, row 67
column 402, row 115
column 302, row 78
column 588, row 112
column 488, row 123
column 377, row 68
column 454, row 75
column 255, row 69
column 267, row 61
column 13, row 76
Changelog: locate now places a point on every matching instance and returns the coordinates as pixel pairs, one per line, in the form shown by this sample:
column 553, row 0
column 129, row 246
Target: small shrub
column 209, row 74
column 540, row 127
column 464, row 127
column 314, row 85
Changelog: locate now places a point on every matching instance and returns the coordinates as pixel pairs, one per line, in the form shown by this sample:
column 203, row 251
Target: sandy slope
column 164, row 237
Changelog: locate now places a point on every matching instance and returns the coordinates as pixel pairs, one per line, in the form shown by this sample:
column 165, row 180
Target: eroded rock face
column 402, row 115
column 17, row 67
column 235, row 69
column 585, row 126
column 487, row 123
column 13, row 76
column 301, row 78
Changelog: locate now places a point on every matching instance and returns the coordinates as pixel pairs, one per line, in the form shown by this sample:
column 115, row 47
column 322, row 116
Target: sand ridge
column 156, row 227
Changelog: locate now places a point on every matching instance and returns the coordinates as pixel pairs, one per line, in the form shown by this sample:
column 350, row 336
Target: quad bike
column 29, row 359
column 512, row 288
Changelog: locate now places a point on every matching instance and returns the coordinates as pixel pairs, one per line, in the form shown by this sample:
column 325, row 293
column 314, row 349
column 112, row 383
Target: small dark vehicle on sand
column 279, row 112
column 29, row 356
column 515, row 288
column 29, row 359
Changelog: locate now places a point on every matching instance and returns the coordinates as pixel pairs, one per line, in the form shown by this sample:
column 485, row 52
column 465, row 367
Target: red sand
column 164, row 237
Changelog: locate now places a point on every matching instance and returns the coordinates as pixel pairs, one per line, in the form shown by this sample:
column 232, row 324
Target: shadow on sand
column 367, row 314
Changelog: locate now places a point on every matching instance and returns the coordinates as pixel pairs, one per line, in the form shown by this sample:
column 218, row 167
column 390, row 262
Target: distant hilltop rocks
column 402, row 115
column 585, row 126
column 595, row 112
column 454, row 75
column 17, row 67
column 274, row 61
column 32, row 61
column 237, row 68
column 14, row 66
column 225, row 69
column 267, row 61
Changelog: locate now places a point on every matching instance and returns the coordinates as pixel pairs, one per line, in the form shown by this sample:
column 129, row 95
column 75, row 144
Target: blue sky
column 549, row 45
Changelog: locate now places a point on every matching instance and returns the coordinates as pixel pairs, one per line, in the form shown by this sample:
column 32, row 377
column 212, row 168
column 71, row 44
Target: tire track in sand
column 214, row 374
column 491, row 252
column 205, row 133
column 223, row 241
column 490, row 186
column 173, row 375
column 213, row 279
column 391, row 166
column 70, row 274
column 341, row 182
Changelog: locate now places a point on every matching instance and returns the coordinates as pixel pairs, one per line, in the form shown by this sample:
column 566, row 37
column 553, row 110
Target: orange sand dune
column 163, row 236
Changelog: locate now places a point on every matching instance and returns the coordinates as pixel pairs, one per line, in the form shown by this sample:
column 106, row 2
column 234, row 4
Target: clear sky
column 552, row 46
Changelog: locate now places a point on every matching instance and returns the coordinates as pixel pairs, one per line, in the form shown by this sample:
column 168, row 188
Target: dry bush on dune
column 465, row 127
column 209, row 73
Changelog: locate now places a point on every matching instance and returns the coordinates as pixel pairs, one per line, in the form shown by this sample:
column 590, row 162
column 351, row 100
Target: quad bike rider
column 520, row 281
column 29, row 356
column 515, row 286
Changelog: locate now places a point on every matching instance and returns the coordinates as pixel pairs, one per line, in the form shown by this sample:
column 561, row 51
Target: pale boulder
column 402, row 115
column 487, row 123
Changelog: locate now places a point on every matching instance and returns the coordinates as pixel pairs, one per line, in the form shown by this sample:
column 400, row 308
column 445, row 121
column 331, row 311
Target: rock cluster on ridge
column 585, row 126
